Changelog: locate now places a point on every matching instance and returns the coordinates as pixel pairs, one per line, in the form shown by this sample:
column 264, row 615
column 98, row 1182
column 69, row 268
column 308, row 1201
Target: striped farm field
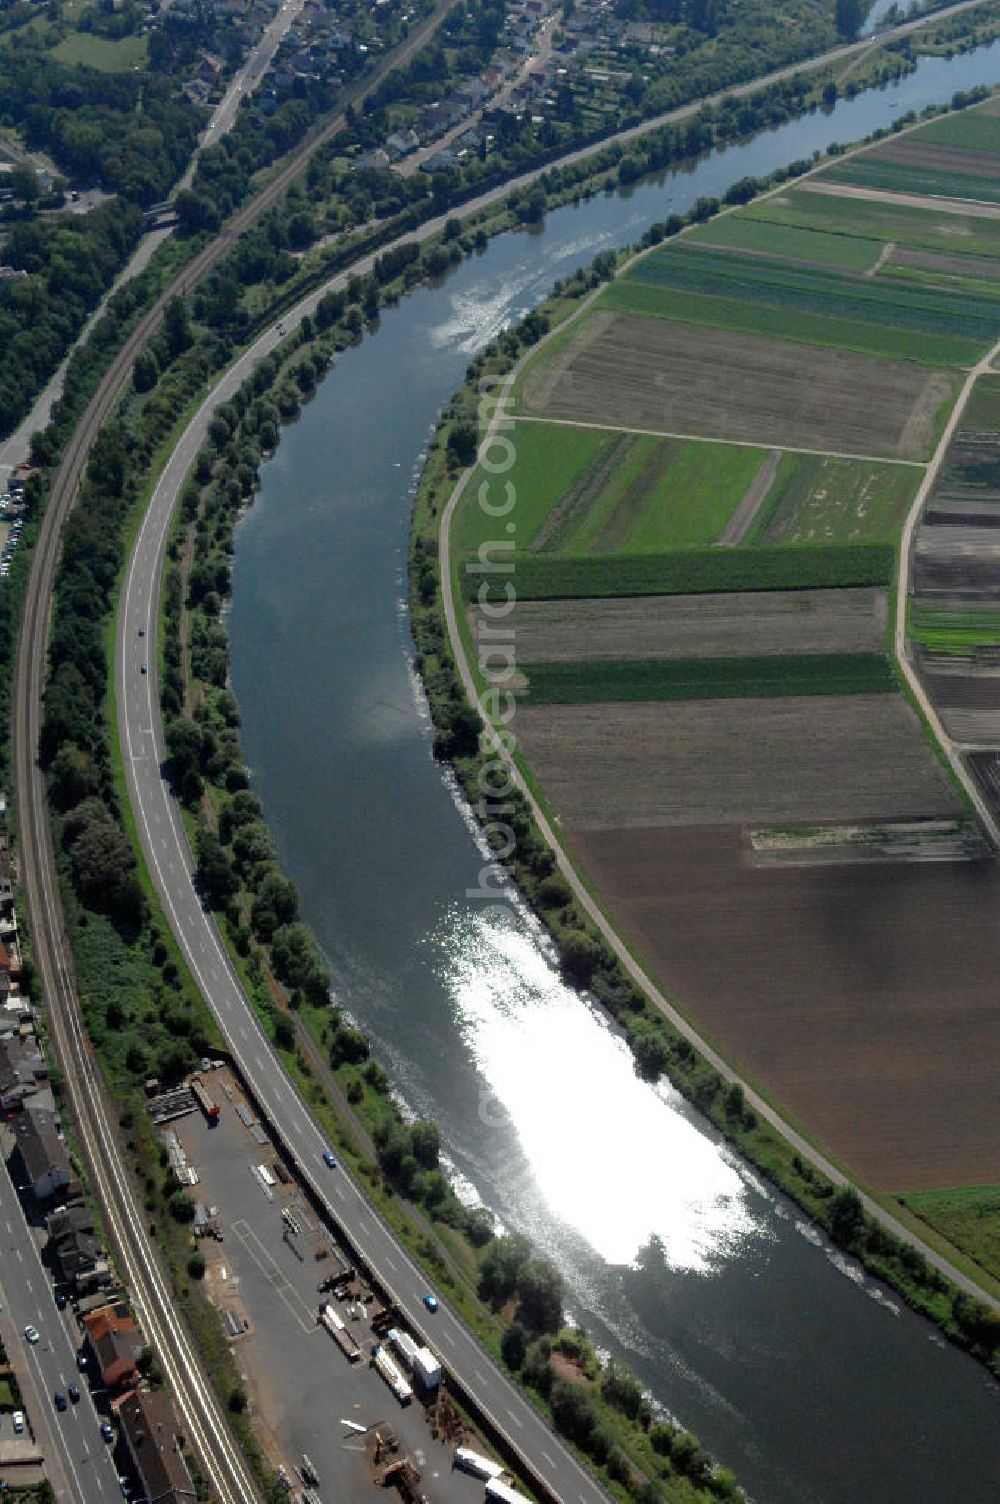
column 915, row 176
column 737, row 291
column 697, row 571
column 602, row 682
column 738, row 232
column 823, row 499
column 932, row 228
column 579, row 491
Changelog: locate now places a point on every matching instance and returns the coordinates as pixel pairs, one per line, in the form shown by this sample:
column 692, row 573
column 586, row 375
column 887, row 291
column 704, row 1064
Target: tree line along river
column 794, row 1368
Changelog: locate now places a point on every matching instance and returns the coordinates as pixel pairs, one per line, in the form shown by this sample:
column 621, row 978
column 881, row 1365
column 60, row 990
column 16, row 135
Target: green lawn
column 953, row 234
column 748, row 317
column 841, row 251
column 765, row 676
column 582, row 491
column 968, row 1216
column 821, row 499
column 697, row 571
column 101, row 53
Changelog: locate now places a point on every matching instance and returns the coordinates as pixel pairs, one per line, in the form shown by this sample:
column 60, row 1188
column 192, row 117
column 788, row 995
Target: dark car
column 430, row 1301
column 74, row 1394
column 106, row 1430
column 60, row 1400
column 329, row 1159
column 81, row 1361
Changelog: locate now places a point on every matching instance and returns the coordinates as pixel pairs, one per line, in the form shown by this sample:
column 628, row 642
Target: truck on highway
column 468, row 1461
column 392, row 1374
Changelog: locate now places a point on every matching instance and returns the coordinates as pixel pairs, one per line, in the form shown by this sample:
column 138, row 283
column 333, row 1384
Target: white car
column 18, row 1420
column 32, row 1334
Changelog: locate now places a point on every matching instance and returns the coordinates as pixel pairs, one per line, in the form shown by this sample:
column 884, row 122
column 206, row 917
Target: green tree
column 572, row 1411
column 848, row 15
column 425, row 1141
column 145, row 371
column 540, row 1296
column 514, row 1346
column 215, row 875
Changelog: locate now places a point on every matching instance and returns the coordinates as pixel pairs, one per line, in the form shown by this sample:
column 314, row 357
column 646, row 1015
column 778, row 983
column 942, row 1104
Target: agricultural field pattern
column 714, row 464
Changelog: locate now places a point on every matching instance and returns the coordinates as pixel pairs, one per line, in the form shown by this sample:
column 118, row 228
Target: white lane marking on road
column 28, row 1283
column 448, row 1338
column 548, row 1459
column 518, row 1423
column 480, row 1375
column 391, row 1262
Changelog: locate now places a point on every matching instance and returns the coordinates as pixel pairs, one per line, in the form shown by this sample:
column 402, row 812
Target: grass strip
column 762, row 677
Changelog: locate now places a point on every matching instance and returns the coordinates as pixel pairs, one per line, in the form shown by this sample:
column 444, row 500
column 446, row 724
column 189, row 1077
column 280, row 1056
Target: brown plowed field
column 788, row 761
column 655, row 374
column 962, row 266
column 698, row 626
column 864, row 999
column 980, row 164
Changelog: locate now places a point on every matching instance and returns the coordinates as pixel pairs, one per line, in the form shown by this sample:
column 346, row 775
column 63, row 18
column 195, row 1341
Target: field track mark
column 753, row 499
column 974, row 208
column 701, row 438
column 883, row 257
column 631, row 504
column 582, row 494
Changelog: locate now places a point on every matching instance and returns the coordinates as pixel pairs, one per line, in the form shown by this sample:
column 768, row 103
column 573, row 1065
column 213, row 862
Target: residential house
column 113, row 1345
column 39, row 1159
column 22, row 1064
column 76, row 1253
column 149, row 1430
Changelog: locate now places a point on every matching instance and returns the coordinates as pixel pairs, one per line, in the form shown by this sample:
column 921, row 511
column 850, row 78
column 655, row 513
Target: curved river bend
column 793, row 1368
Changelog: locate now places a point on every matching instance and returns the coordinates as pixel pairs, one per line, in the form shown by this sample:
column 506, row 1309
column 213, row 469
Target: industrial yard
column 342, row 1396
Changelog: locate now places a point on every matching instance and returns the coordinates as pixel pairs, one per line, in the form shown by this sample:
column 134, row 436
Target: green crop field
column 969, row 1217
column 102, row 53
column 929, row 229
column 899, row 177
column 822, row 499
column 982, row 412
column 967, row 130
column 812, row 290
column 954, row 629
column 584, row 491
column 697, row 571
column 763, row 677
column 549, row 462
column 842, row 252
column 747, row 317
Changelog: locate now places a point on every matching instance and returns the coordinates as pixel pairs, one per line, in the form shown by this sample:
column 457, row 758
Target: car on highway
column 60, row 1400
column 329, row 1159
column 142, row 668
column 74, row 1394
column 31, row 1333
column 61, row 1299
column 18, row 1421
column 106, row 1430
column 81, row 1361
column 430, row 1301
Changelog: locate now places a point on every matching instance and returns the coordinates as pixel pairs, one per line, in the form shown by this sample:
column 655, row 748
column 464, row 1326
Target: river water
column 795, row 1369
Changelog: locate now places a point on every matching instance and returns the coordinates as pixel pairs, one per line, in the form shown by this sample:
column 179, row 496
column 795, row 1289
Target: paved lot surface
column 302, row 1383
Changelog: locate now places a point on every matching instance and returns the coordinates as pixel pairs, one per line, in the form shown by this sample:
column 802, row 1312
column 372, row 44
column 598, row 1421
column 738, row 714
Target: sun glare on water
column 611, row 1156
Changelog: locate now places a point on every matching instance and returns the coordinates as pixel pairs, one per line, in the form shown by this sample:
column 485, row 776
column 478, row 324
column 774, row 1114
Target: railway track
column 91, row 1108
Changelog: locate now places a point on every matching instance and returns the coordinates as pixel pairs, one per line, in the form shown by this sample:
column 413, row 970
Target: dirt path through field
column 759, row 488
column 972, row 207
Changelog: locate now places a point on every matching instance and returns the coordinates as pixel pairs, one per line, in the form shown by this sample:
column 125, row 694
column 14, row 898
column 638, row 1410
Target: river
column 794, row 1368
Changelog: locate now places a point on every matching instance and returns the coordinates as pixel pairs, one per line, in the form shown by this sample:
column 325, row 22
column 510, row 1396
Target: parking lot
column 264, row 1276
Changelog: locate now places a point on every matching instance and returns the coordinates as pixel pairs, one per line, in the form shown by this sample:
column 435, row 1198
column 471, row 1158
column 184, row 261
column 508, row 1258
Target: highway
column 171, row 866
column 78, row 1462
